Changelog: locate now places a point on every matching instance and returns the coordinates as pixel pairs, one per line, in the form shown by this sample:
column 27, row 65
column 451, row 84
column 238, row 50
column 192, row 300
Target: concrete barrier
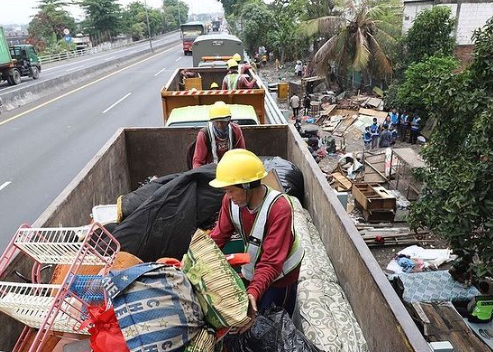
column 20, row 97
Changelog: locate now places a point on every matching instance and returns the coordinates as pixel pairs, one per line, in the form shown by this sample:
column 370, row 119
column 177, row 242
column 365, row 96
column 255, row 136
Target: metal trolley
column 55, row 307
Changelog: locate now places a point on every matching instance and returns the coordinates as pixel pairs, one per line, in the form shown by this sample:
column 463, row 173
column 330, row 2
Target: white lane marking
column 5, row 185
column 178, row 59
column 86, row 85
column 160, row 72
column 111, row 57
column 133, row 51
column 51, row 68
column 116, row 103
column 75, row 68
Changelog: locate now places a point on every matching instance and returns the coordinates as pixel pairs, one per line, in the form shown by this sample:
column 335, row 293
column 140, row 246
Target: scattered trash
column 431, row 259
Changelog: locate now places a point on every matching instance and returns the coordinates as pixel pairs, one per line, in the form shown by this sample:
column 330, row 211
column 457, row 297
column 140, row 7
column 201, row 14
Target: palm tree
column 361, row 44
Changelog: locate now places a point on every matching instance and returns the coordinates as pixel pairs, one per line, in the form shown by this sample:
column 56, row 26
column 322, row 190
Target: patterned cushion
column 220, row 291
column 323, row 312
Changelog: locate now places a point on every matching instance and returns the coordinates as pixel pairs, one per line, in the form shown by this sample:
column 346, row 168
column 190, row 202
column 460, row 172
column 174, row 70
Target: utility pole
column 179, row 13
column 148, row 26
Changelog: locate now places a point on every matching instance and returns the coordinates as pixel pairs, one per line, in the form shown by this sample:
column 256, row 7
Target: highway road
column 44, row 145
column 56, row 69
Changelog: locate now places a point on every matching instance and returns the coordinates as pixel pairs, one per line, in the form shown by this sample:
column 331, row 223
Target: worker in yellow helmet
column 234, row 80
column 242, row 68
column 219, row 136
column 264, row 219
column 214, row 86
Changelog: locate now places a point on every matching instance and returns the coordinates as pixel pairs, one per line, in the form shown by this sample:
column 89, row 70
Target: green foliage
column 430, row 34
column 134, row 20
column 362, row 44
column 457, row 200
column 50, row 21
column 175, row 13
column 413, row 94
column 257, row 21
column 103, row 16
column 232, row 7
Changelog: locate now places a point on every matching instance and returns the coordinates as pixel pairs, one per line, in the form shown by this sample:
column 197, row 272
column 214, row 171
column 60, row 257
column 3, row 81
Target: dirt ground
column 353, row 142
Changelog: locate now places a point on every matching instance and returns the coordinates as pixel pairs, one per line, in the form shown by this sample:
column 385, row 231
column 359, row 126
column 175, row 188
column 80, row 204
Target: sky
column 21, row 11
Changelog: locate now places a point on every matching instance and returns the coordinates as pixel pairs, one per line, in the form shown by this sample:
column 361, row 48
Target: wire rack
column 62, row 307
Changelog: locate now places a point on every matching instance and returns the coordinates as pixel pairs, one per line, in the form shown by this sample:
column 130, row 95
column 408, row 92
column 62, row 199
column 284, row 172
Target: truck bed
column 130, row 156
column 174, row 96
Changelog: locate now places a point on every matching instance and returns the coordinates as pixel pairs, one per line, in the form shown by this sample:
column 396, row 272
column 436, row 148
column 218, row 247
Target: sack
column 164, row 224
column 220, row 291
column 290, row 176
column 155, row 307
column 273, row 331
column 105, row 334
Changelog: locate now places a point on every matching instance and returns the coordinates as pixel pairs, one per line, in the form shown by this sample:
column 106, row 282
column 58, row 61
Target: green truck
column 17, row 61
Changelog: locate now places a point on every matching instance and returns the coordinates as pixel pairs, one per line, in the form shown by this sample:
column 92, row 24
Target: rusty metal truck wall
column 163, row 151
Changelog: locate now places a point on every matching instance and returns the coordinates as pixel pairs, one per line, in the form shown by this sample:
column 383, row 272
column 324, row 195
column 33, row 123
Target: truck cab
column 24, row 63
column 198, row 116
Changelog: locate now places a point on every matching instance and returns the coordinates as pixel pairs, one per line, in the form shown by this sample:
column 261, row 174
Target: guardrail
column 272, row 110
column 45, row 59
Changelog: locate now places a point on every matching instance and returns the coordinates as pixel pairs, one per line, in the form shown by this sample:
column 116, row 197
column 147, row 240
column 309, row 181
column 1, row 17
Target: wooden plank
column 343, row 181
column 373, row 113
column 376, row 170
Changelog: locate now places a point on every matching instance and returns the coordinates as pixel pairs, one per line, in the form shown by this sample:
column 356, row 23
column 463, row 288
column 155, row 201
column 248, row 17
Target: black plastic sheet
column 273, row 331
column 163, row 225
column 290, row 176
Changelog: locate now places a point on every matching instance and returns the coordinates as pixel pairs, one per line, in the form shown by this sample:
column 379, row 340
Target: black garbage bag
column 273, row 331
column 290, row 176
column 163, row 225
column 131, row 201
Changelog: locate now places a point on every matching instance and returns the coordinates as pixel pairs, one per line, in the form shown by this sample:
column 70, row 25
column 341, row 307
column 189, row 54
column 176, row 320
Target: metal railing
column 45, row 59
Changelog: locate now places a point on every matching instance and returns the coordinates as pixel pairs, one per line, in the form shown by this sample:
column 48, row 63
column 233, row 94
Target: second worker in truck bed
column 219, row 136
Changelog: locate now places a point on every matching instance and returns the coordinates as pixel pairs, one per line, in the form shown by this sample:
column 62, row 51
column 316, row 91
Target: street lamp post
column 148, row 26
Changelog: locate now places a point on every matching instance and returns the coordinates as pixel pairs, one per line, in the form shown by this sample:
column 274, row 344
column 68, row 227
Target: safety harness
column 212, row 139
column 256, row 236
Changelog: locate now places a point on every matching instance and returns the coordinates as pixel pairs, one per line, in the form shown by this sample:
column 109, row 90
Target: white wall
column 471, row 16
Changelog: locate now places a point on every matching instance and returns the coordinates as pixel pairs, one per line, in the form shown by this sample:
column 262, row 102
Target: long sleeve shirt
column 203, row 151
column 275, row 249
column 243, row 82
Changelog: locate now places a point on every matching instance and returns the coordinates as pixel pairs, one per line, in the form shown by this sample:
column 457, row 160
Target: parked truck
column 17, row 61
column 133, row 154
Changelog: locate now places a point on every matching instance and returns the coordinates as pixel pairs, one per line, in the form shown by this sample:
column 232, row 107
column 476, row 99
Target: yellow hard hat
column 214, row 85
column 232, row 63
column 238, row 166
column 237, row 57
column 219, row 110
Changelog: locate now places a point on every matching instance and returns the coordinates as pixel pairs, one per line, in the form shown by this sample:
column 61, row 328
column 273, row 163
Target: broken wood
column 342, row 181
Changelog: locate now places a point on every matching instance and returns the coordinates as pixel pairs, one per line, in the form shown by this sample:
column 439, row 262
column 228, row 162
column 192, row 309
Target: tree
column 103, row 16
column 411, row 94
column 257, row 21
column 360, row 45
column 457, row 200
column 231, row 6
column 134, row 20
column 50, row 21
column 430, row 35
column 175, row 13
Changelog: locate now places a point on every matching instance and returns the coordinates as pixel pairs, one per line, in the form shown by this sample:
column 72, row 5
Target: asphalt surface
column 45, row 144
column 56, row 69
